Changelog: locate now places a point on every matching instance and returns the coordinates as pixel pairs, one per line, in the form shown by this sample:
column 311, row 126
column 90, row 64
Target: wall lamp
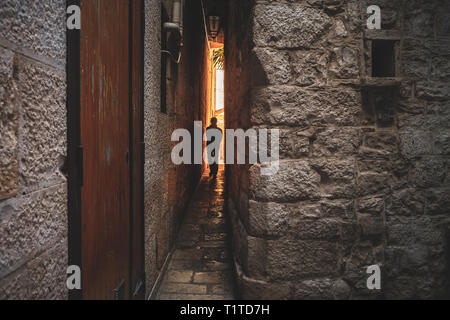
column 214, row 25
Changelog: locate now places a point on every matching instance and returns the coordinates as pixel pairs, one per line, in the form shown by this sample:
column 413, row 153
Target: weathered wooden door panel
column 137, row 187
column 105, row 136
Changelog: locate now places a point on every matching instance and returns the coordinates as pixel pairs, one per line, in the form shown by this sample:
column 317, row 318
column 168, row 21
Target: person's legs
column 214, row 168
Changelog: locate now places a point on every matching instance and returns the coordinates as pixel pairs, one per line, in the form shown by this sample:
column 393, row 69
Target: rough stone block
column 256, row 264
column 294, row 106
column 30, row 224
column 337, row 177
column 294, row 181
column 9, row 124
column 429, row 172
column 294, row 144
column 352, row 15
column 6, row 70
column 340, row 30
column 440, row 68
column 252, row 289
column 344, row 63
column 267, row 218
column 338, row 208
column 437, row 201
column 426, row 121
column 409, row 106
column 405, row 202
column 43, row 94
column 330, row 142
column 270, row 66
column 322, row 289
column 283, row 26
column 407, row 231
column 406, row 259
column 382, row 140
column 37, row 26
column 290, row 259
column 418, row 22
column 373, row 206
column 274, row 219
column 415, row 143
column 371, row 226
column 370, row 183
column 411, row 273
column 432, row 91
column 324, row 229
column 308, row 67
column 442, row 142
column 416, row 63
column 43, row 278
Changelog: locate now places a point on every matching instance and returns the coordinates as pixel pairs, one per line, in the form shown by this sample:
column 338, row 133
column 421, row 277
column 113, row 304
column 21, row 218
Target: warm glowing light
column 220, row 96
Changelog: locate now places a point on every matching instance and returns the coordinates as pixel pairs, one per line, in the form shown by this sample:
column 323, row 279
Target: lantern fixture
column 214, row 25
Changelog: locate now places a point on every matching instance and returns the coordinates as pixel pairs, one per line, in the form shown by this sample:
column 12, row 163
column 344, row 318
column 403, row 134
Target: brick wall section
column 352, row 190
column 33, row 191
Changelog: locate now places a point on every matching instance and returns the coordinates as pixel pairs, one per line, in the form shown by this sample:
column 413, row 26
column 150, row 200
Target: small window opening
column 383, row 58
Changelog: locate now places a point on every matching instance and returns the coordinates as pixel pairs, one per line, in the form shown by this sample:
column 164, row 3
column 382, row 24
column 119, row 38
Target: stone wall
column 33, row 189
column 168, row 188
column 363, row 175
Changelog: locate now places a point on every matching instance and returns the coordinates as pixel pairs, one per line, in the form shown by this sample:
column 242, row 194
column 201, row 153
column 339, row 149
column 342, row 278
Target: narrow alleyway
column 201, row 267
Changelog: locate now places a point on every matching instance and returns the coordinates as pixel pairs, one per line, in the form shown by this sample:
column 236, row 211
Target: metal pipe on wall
column 176, row 26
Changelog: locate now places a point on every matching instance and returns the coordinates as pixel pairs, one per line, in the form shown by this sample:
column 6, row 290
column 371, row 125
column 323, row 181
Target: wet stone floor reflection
column 201, row 266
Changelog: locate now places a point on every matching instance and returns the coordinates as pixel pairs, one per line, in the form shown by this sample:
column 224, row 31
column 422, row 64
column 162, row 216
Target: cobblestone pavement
column 201, row 268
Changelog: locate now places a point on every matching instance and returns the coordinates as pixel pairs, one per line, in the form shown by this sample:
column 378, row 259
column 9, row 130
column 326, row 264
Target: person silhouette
column 213, row 159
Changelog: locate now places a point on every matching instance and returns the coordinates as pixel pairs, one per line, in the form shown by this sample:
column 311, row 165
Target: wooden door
column 110, row 116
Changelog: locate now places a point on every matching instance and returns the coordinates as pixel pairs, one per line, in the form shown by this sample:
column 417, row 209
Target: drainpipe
column 176, row 25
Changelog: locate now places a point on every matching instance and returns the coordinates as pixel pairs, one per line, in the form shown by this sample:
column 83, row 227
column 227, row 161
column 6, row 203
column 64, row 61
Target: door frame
column 75, row 153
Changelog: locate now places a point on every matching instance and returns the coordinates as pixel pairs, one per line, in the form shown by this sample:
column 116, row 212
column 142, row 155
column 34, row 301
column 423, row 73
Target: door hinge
column 119, row 292
column 139, row 286
column 80, row 158
column 127, row 158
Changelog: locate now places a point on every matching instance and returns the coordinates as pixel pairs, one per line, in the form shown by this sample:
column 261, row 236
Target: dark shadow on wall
column 259, row 76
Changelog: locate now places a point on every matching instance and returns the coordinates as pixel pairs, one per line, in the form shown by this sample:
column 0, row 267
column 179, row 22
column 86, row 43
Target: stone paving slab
column 201, row 267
